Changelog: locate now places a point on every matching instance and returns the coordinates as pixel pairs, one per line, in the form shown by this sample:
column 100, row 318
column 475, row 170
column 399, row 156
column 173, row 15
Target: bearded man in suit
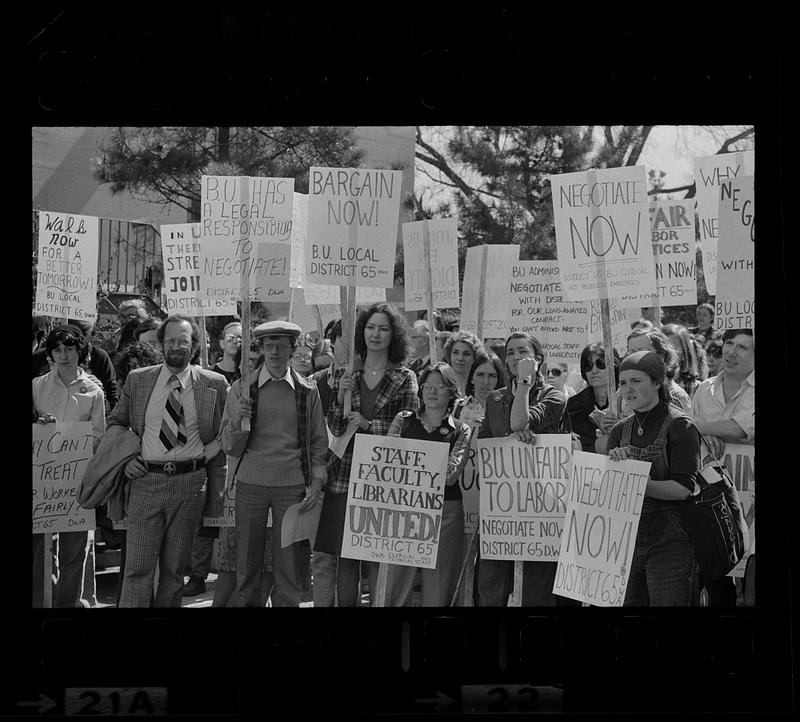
column 176, row 411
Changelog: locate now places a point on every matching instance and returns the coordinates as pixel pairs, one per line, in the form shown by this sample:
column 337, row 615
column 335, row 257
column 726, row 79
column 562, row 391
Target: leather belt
column 171, row 468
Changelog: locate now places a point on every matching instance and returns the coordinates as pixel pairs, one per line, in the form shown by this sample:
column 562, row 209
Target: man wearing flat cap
column 176, row 411
column 281, row 461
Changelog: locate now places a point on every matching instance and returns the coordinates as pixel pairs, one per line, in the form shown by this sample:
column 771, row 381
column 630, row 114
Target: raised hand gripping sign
column 604, row 504
column 395, row 500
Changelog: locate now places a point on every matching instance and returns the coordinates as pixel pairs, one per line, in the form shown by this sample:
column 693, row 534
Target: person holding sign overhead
column 280, row 462
column 381, row 388
column 525, row 407
column 663, row 571
column 66, row 394
column 434, row 422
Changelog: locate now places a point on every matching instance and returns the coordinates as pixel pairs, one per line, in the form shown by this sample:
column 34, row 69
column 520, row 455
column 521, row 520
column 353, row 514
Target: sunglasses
column 588, row 365
column 554, row 372
column 231, row 337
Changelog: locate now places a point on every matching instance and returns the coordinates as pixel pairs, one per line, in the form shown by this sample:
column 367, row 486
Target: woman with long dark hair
column 381, row 387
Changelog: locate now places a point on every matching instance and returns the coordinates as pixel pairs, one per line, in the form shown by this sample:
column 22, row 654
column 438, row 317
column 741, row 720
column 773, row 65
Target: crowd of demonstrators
column 525, row 407
column 380, row 388
column 67, row 394
column 433, row 421
column 663, row 570
column 176, row 430
column 460, row 352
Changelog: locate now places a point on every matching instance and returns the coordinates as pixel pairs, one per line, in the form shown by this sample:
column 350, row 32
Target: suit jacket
column 210, row 391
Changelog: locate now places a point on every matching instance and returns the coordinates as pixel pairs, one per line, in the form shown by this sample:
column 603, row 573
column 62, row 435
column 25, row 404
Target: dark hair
column 398, row 348
column 691, row 363
column 333, row 330
column 661, row 346
column 146, row 353
column 149, row 324
column 708, row 307
column 481, row 359
column 449, row 378
column 464, row 337
column 69, row 336
column 538, row 353
column 713, row 347
column 84, row 325
column 178, row 317
column 600, row 349
column 732, row 333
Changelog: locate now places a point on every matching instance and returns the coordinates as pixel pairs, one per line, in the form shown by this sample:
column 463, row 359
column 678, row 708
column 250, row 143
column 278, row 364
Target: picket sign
column 428, row 276
column 318, row 317
column 244, row 196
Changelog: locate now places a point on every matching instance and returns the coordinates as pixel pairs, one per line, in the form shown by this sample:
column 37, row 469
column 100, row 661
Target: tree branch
column 730, row 141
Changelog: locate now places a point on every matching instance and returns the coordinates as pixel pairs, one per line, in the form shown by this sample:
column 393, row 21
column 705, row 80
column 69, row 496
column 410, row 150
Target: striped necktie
column 173, row 425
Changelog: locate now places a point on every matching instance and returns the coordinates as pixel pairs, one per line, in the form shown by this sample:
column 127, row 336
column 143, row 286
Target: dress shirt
column 709, row 404
column 81, row 400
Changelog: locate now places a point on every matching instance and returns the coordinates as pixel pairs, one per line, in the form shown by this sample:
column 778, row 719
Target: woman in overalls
column 663, row 570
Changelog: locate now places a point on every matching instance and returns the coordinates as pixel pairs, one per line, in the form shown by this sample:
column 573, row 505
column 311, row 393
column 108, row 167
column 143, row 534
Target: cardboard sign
column 538, row 307
column 297, row 272
column 61, row 452
column 66, row 272
column 672, row 235
column 603, row 509
column 486, row 273
column 322, row 295
column 352, row 226
column 740, row 461
column 246, row 228
column 228, row 517
column 180, row 250
column 443, row 237
column 602, row 233
column 395, row 501
column 522, row 496
column 735, row 302
column 709, row 173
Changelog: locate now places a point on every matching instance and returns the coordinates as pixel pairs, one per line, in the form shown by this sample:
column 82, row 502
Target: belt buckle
column 169, row 468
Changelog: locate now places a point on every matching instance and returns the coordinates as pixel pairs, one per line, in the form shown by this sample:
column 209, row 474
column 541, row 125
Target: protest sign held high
column 61, row 452
column 709, row 174
column 735, row 300
column 365, row 200
column 395, row 500
column 603, row 509
column 314, row 294
column 66, row 271
column 249, row 240
column 538, row 306
column 602, row 233
column 180, row 250
column 672, row 235
column 523, row 493
column 443, row 234
column 740, row 461
column 485, row 302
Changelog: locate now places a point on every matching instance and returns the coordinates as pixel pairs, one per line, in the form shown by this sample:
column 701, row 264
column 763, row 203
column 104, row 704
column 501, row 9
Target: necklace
column 641, row 423
column 374, row 372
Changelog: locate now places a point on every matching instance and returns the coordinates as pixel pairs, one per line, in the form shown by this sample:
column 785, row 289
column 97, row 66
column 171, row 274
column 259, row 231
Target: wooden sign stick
column 291, row 303
column 467, row 568
column 516, row 593
column 48, row 570
column 482, row 291
column 380, row 591
column 428, row 276
column 318, row 318
column 201, row 322
column 244, row 191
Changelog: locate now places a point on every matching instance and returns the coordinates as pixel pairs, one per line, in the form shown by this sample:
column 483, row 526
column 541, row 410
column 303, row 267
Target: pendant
column 641, row 431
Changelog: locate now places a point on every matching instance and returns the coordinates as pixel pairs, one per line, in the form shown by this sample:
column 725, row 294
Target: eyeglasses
column 231, row 337
column 269, row 346
column 554, row 372
column 588, row 365
column 433, row 388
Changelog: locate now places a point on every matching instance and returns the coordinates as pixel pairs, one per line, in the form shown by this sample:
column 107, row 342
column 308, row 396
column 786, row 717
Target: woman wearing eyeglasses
column 584, row 406
column 525, row 407
column 434, row 421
